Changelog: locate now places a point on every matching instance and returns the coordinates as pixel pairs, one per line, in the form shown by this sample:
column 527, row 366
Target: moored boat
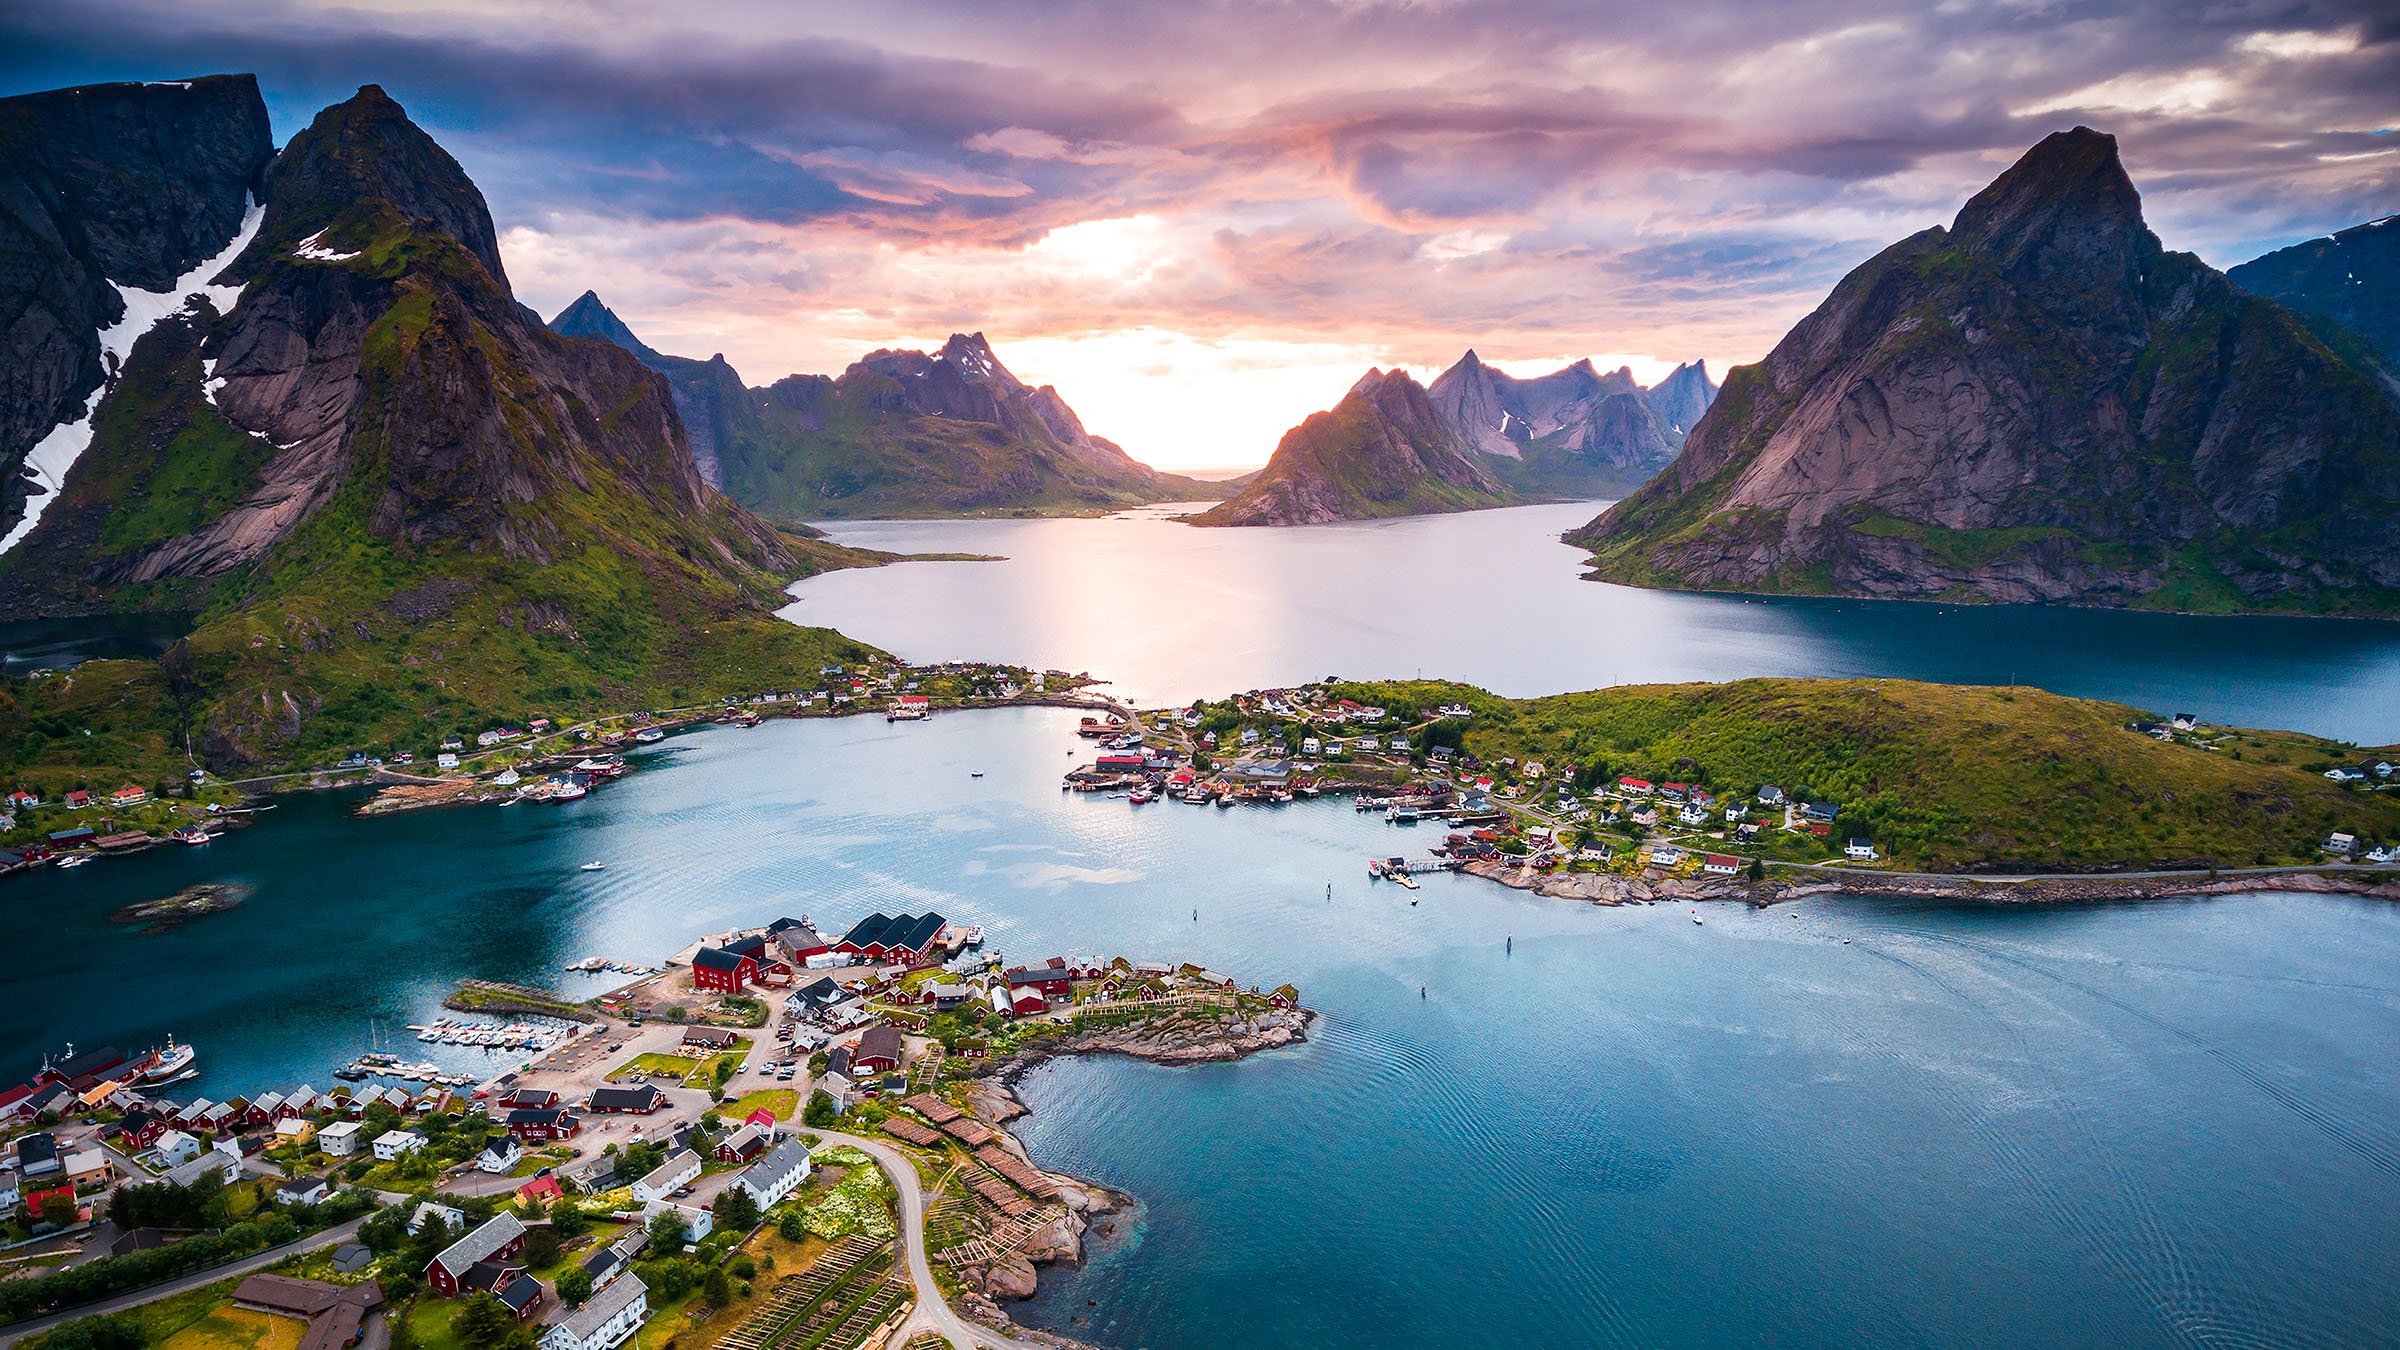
column 168, row 1061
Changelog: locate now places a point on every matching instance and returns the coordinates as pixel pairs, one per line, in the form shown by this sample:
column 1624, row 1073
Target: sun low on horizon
column 1203, row 222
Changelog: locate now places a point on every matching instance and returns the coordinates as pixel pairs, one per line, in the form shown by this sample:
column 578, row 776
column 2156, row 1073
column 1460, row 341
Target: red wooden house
column 542, row 1125
column 737, row 965
column 498, row 1238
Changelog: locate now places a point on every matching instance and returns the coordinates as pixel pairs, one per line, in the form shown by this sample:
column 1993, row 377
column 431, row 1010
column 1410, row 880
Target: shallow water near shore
column 1822, row 1124
column 1171, row 612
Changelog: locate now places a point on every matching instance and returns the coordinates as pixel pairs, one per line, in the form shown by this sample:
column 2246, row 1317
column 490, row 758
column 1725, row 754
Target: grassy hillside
column 1945, row 776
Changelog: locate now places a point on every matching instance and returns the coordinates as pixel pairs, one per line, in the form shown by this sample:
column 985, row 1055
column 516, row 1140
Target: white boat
column 75, row 860
column 649, row 736
column 173, row 1059
column 594, row 866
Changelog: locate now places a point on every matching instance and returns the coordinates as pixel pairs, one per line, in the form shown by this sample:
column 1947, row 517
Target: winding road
column 933, row 1312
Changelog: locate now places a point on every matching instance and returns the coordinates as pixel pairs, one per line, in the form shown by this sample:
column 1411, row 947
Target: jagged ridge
column 2039, row 403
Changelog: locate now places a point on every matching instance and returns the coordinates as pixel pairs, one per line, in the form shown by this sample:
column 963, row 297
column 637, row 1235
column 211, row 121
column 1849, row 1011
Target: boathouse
column 908, row 938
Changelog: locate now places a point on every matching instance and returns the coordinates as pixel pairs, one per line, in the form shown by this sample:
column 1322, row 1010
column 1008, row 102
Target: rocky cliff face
column 900, row 433
column 383, row 482
column 1574, row 430
column 102, row 188
column 1681, row 398
column 1382, row 451
column 2038, row 403
column 2350, row 280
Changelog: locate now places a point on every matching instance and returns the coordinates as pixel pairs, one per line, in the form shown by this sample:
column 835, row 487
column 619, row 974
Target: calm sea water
column 1170, row 612
column 1822, row 1125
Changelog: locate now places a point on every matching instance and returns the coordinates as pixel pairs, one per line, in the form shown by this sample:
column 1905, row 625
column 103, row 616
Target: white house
column 445, row 761
column 428, row 1212
column 776, row 1175
column 302, row 1191
column 607, row 1319
column 681, row 1169
column 500, row 1154
column 697, row 1223
column 392, row 1144
column 1860, row 849
column 1665, row 856
column 2342, row 845
column 176, row 1148
column 340, row 1139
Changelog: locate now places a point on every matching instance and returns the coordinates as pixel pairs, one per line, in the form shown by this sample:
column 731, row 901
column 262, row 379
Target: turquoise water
column 1821, row 1125
column 1170, row 613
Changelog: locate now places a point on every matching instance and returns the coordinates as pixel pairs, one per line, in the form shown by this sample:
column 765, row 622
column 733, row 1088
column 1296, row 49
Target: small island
column 192, row 902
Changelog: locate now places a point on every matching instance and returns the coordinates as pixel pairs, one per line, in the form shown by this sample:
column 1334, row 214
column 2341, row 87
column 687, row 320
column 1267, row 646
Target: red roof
column 761, row 1116
column 1721, row 860
column 1633, row 782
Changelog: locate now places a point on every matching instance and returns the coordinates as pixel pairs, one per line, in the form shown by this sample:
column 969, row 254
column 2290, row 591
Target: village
column 533, row 760
column 782, row 1136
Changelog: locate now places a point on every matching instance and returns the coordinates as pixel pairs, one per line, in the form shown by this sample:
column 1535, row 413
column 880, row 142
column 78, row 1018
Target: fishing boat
column 1226, row 801
column 74, row 859
column 168, row 1061
column 649, row 736
column 189, row 834
column 593, row 867
column 1142, row 797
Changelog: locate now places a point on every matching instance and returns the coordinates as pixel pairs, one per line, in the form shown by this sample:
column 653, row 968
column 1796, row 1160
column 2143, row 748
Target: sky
column 1203, row 219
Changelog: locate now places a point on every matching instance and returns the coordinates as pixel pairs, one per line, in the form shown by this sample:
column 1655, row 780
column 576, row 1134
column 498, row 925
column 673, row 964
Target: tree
column 541, row 1246
column 486, row 1323
column 667, row 1232
column 574, row 1286
column 736, row 1209
column 96, row 1333
column 58, row 1210
column 404, row 1335
column 820, row 1112
column 569, row 1221
column 717, row 1289
column 792, row 1227
column 1758, row 870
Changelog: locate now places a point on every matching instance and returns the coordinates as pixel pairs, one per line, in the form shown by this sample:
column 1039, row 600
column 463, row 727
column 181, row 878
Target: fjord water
column 1169, row 613
column 1823, row 1124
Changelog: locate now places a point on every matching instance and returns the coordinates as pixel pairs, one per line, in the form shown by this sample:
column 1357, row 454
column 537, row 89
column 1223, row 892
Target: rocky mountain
column 2350, row 280
column 1384, row 450
column 2038, row 403
column 900, row 433
column 1680, row 398
column 106, row 193
column 1489, row 439
column 390, row 494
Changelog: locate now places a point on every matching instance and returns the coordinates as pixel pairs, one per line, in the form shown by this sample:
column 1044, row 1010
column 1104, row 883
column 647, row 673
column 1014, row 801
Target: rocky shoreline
column 1092, row 1208
column 1613, row 889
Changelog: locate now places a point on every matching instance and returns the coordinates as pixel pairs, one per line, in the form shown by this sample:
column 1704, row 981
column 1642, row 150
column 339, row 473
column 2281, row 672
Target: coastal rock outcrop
column 2038, row 403
column 1381, row 451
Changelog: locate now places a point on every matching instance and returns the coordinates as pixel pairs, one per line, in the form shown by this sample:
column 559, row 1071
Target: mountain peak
column 361, row 158
column 589, row 317
column 2070, row 189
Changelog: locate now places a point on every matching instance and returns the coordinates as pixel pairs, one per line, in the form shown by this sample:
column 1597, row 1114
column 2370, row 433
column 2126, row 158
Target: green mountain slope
column 1381, row 451
column 2037, row 404
column 394, row 500
column 898, row 434
column 2350, row 280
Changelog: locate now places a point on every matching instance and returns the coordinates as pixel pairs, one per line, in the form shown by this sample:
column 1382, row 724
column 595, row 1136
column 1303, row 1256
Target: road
column 933, row 1312
column 339, row 1233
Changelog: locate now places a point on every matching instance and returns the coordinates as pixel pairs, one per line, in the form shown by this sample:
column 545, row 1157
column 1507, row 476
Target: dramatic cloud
column 1200, row 219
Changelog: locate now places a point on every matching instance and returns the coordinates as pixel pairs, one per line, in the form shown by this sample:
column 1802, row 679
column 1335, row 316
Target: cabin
column 699, row 1041
column 742, row 1145
column 138, row 1129
column 499, row 1237
column 78, row 799
column 879, row 1050
column 335, row 1313
column 1720, row 864
column 639, row 1099
column 543, row 1125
